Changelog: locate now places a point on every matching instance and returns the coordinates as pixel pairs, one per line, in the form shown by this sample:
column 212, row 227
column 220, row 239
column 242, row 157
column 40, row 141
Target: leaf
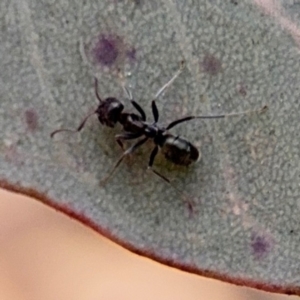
column 240, row 55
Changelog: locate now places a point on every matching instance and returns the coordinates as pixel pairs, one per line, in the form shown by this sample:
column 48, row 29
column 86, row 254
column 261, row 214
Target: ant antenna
column 96, row 90
column 235, row 114
column 73, row 130
column 164, row 87
column 81, row 125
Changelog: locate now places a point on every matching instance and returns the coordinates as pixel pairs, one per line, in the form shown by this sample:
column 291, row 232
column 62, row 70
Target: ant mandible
column 176, row 149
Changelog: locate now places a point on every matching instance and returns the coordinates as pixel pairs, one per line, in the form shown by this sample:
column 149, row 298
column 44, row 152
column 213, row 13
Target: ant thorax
column 154, row 131
column 131, row 122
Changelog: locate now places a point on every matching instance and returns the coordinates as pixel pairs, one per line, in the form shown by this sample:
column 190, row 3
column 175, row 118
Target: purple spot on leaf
column 131, row 54
column 242, row 89
column 111, row 50
column 31, row 119
column 107, row 49
column 137, row 2
column 211, row 64
column 261, row 245
column 12, row 155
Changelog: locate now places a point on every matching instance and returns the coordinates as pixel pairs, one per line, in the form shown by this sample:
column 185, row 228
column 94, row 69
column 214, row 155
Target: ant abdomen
column 179, row 151
column 109, row 111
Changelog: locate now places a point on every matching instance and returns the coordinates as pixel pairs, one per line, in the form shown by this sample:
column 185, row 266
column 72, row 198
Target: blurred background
column 47, row 255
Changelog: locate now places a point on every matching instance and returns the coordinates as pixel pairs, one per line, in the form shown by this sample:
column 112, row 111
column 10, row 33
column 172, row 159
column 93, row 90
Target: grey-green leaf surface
column 240, row 55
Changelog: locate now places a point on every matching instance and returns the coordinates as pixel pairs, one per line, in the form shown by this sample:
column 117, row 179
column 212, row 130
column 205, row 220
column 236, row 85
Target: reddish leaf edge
column 31, row 192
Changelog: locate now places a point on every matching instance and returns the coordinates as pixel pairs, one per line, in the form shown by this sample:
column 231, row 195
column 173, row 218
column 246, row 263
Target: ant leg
column 139, row 109
column 154, row 111
column 126, row 136
column 126, row 90
column 185, row 197
column 128, row 151
column 164, row 87
column 235, row 114
column 176, row 122
column 161, row 90
column 130, row 97
column 135, row 104
column 73, row 130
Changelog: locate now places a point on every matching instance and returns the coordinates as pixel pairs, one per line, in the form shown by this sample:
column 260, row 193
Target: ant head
column 109, row 111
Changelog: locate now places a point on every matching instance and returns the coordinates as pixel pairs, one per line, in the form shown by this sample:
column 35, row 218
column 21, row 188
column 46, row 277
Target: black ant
column 176, row 149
